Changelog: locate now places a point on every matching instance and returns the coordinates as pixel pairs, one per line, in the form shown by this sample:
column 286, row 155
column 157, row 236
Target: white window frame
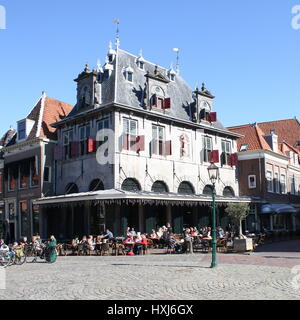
column 158, row 138
column 206, row 150
column 276, row 183
column 226, row 150
column 127, row 130
column 249, row 183
column 281, row 182
column 270, row 186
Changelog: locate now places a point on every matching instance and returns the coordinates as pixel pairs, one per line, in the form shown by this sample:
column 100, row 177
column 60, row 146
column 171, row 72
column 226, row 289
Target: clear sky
column 246, row 51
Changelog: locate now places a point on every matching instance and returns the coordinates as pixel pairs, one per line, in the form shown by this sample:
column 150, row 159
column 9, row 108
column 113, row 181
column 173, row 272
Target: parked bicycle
column 11, row 255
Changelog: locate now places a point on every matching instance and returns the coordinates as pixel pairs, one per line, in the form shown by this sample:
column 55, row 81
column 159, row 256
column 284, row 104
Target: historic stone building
column 134, row 151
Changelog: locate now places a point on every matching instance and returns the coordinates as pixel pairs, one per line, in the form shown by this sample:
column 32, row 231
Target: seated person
column 171, row 242
column 91, row 243
column 109, row 235
column 144, row 242
column 133, row 232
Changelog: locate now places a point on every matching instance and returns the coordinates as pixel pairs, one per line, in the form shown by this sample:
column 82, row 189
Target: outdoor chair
column 222, row 245
column 82, row 249
column 105, row 249
column 118, row 249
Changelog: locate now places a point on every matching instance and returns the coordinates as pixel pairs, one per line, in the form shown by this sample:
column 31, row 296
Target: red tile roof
column 52, row 110
column 288, row 132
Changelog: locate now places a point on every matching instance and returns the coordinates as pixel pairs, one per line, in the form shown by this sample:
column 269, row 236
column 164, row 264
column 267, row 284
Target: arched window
column 186, row 188
column 159, row 187
column 96, row 185
column 71, row 188
column 131, row 185
column 208, row 190
column 228, row 192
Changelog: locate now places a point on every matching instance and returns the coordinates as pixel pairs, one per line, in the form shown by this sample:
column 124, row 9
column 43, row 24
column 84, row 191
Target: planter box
column 242, row 245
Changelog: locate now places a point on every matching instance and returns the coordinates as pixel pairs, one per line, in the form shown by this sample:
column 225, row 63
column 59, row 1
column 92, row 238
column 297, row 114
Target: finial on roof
column 177, row 59
column 203, row 86
column 86, row 69
column 155, row 70
column 117, row 22
column 99, row 67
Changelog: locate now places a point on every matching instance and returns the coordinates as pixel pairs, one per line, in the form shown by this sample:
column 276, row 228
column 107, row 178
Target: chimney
column 272, row 140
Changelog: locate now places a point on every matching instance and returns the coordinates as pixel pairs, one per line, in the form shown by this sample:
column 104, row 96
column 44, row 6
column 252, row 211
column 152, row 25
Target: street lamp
column 213, row 172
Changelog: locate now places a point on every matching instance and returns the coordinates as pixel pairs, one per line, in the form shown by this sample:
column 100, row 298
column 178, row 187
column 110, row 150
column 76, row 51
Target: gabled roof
column 287, row 130
column 254, row 135
column 116, row 90
column 45, row 112
column 8, row 137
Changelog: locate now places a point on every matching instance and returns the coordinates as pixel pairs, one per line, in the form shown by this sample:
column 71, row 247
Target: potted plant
column 238, row 212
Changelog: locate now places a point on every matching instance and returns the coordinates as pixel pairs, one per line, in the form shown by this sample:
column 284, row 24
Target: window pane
column 133, row 127
column 161, row 133
column 126, row 126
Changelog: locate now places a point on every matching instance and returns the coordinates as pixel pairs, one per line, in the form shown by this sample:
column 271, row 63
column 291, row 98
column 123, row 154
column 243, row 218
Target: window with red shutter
column 167, row 103
column 167, row 148
column 214, row 156
column 212, row 116
column 140, row 143
column 91, row 145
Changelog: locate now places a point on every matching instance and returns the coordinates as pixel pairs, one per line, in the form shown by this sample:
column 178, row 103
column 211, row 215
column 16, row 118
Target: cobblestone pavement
column 154, row 277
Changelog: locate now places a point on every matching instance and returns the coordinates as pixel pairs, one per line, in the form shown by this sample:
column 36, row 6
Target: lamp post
column 213, row 172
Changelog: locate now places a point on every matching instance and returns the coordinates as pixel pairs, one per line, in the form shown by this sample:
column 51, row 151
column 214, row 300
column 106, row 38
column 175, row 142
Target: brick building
column 269, row 172
column 27, row 161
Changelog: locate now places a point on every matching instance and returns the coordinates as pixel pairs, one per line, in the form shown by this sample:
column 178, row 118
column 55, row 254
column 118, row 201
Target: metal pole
column 214, row 231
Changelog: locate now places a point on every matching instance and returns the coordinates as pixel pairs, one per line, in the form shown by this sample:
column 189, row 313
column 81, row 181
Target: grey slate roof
column 115, row 89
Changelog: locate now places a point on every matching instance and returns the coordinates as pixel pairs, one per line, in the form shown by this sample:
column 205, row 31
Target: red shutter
column 212, row 116
column 229, row 159
column 91, row 145
column 234, row 159
column 58, row 152
column 213, row 156
column 168, row 148
column 167, row 103
column 74, row 149
column 140, row 143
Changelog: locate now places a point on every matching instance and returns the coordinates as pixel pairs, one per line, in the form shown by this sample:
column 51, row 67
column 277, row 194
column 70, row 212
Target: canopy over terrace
column 93, row 212
column 117, row 196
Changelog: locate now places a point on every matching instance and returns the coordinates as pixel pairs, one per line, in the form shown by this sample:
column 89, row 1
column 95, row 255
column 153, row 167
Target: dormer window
column 129, row 74
column 172, row 77
column 244, row 147
column 171, row 74
column 22, row 130
column 141, row 65
column 110, row 58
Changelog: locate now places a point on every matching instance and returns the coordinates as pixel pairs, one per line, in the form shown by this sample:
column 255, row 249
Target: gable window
column 269, row 181
column 282, row 184
column 276, row 182
column 67, row 139
column 252, row 182
column 34, row 178
column 226, row 152
column 101, row 125
column 141, row 65
column 24, row 175
column 158, row 139
column 22, row 130
column 84, row 134
column 130, row 130
column 207, row 148
column 12, row 177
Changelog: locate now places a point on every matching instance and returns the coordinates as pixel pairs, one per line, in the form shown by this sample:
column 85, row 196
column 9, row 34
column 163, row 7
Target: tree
column 238, row 212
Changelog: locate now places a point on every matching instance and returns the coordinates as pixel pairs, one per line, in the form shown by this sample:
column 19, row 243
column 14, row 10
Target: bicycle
column 6, row 256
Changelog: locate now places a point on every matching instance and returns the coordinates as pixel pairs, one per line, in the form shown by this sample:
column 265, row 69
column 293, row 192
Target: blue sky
column 246, row 51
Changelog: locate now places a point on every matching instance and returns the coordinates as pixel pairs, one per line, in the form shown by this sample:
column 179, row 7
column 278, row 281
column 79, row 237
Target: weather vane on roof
column 177, row 59
column 117, row 22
